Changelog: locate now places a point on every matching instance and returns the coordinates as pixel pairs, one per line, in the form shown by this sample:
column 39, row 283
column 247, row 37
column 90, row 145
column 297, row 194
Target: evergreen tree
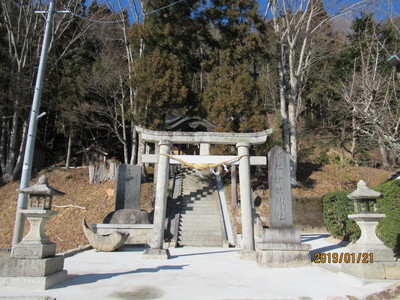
column 160, row 88
column 232, row 97
column 174, row 32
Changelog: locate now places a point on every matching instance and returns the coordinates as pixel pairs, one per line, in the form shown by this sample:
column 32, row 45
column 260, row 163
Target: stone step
column 200, row 233
column 203, row 211
column 201, row 208
column 200, row 202
column 205, row 204
column 195, row 206
column 201, row 243
column 192, row 231
column 198, row 214
column 211, row 238
column 199, row 224
column 204, row 217
column 197, row 191
column 196, row 222
column 196, row 227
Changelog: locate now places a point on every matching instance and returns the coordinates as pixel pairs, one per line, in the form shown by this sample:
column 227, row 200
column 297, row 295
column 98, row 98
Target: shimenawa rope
column 203, row 166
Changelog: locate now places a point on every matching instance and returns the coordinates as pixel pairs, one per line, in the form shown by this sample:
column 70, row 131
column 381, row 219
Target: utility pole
column 30, row 143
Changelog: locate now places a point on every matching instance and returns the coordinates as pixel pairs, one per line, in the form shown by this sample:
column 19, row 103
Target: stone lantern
column 363, row 197
column 41, row 194
column 36, row 244
column 33, row 262
column 368, row 258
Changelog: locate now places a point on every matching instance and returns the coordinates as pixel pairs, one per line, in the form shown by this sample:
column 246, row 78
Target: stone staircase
column 200, row 219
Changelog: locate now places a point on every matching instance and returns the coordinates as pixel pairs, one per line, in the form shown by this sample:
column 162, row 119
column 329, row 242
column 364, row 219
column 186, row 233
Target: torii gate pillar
column 248, row 250
column 156, row 250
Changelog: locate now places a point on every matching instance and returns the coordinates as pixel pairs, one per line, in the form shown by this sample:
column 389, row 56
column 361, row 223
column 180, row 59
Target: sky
column 381, row 9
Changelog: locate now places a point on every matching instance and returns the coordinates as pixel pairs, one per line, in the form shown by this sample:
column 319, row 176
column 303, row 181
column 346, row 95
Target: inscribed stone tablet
column 127, row 194
column 279, row 188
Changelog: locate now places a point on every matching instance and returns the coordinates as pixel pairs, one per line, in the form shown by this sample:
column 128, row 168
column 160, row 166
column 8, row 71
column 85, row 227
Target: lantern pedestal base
column 371, row 258
column 38, row 274
column 33, row 250
column 375, row 270
column 32, row 283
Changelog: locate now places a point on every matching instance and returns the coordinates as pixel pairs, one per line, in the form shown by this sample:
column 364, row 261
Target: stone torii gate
column 165, row 140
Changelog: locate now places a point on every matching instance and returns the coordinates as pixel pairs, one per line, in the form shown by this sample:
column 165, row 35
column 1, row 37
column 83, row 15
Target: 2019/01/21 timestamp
column 362, row 257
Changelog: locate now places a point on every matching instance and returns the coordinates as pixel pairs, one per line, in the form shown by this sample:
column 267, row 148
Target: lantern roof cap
column 363, row 192
column 41, row 188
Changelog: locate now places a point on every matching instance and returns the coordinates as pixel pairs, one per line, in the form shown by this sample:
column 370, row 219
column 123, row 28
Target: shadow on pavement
column 91, row 278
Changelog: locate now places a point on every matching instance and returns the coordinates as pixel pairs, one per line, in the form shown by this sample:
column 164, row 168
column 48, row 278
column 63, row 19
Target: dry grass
column 65, row 229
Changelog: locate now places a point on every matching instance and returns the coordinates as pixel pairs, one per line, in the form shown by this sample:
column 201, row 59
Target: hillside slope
column 65, row 229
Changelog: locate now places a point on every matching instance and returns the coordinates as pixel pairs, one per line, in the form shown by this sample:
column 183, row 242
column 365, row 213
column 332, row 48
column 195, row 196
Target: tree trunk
column 294, row 92
column 21, row 152
column 283, row 99
column 293, row 144
column 134, row 145
column 67, row 161
column 384, row 155
column 3, row 146
column 353, row 139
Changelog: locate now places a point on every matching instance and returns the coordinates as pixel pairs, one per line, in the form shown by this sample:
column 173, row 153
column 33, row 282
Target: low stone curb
column 72, row 252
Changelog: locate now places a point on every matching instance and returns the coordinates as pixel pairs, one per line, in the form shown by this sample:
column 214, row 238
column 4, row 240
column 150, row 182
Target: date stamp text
column 346, row 257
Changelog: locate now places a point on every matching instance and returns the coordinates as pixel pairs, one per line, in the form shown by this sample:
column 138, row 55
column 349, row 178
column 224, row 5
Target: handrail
column 225, row 213
column 174, row 216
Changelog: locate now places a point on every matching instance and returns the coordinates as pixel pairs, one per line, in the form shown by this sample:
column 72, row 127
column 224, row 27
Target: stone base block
column 32, row 283
column 283, row 255
column 375, row 270
column 156, row 254
column 33, row 250
column 246, row 254
column 381, row 253
column 282, row 236
column 16, row 267
column 392, row 270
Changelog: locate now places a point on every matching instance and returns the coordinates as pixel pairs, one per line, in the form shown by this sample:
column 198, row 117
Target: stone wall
column 307, row 214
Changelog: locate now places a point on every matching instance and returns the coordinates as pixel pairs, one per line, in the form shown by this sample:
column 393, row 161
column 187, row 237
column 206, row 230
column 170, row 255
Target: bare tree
column 297, row 25
column 24, row 30
column 372, row 92
column 107, row 85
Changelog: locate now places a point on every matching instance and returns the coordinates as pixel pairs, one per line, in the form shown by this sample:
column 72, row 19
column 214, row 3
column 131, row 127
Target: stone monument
column 33, row 263
column 369, row 258
column 281, row 245
column 127, row 193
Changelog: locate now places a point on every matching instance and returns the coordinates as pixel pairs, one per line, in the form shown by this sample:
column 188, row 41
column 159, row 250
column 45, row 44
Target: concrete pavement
column 200, row 273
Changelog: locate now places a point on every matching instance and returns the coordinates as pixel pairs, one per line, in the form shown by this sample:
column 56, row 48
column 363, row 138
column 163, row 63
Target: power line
column 99, row 21
column 161, row 8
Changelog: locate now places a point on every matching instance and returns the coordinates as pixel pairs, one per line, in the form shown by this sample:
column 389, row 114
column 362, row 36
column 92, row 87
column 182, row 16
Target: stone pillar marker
column 248, row 250
column 281, row 245
column 156, row 251
column 279, row 189
column 369, row 257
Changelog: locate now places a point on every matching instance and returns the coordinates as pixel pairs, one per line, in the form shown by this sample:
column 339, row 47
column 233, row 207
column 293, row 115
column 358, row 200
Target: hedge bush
column 389, row 228
column 336, row 207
